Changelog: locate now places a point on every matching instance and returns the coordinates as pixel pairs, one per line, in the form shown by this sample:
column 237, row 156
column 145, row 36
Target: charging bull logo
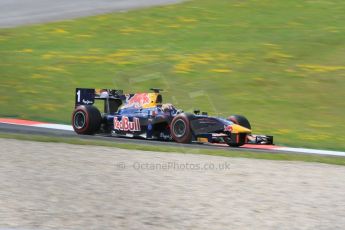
column 125, row 125
column 137, row 100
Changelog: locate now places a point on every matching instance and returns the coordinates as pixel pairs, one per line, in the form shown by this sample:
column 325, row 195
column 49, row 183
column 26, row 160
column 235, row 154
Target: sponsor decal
column 206, row 120
column 125, row 125
column 137, row 100
column 87, row 102
column 149, row 125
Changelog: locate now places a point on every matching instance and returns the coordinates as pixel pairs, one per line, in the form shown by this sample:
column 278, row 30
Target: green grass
column 280, row 63
column 183, row 150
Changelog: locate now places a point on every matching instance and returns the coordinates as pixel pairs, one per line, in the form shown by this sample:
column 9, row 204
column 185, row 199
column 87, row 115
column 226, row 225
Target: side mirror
column 197, row 111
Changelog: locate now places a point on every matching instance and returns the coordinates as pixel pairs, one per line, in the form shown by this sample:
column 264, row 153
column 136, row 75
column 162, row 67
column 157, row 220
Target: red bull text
column 125, row 125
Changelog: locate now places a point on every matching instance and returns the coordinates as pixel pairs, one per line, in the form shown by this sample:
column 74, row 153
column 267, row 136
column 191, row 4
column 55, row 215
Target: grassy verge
column 280, row 63
column 215, row 152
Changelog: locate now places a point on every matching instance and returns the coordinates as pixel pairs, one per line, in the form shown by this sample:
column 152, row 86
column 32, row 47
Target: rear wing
column 112, row 98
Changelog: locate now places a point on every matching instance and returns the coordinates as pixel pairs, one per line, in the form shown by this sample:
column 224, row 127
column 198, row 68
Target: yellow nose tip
column 240, row 129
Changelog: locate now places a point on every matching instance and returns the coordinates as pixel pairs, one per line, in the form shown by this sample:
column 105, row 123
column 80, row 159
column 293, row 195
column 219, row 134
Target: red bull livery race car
column 144, row 115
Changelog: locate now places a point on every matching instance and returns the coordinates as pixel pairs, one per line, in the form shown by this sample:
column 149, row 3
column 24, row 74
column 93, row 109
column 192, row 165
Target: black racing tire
column 180, row 129
column 231, row 143
column 86, row 120
column 240, row 120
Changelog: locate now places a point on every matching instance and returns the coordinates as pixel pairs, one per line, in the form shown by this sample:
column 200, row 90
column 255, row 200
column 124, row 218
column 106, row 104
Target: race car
column 144, row 115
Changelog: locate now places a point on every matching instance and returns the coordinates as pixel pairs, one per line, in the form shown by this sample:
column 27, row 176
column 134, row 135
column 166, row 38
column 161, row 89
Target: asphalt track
column 22, row 12
column 28, row 130
column 59, row 131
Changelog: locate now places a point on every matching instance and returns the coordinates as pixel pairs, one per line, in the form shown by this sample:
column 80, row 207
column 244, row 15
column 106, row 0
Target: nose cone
column 239, row 129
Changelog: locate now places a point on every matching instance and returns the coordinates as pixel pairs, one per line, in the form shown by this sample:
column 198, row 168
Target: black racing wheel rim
column 79, row 120
column 180, row 128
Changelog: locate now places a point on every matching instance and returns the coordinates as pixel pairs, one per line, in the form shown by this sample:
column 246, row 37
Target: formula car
column 144, row 115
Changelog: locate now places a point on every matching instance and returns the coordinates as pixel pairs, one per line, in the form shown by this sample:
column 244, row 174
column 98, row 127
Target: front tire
column 240, row 120
column 239, row 139
column 86, row 119
column 180, row 129
column 236, row 140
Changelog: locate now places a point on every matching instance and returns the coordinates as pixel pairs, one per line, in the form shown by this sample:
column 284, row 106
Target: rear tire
column 240, row 120
column 180, row 129
column 86, row 119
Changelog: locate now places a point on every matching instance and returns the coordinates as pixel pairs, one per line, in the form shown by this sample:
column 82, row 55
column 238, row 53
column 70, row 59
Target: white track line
column 54, row 126
column 312, row 151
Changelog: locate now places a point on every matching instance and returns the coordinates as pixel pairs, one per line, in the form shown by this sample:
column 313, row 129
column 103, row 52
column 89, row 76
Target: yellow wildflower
column 221, row 70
